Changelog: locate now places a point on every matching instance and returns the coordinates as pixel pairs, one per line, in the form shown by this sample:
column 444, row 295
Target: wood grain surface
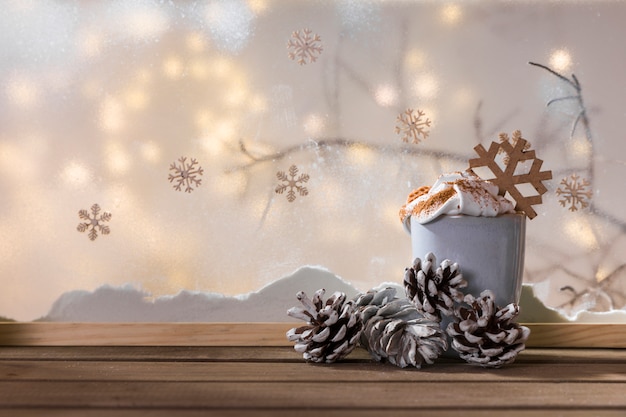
column 275, row 381
column 256, row 334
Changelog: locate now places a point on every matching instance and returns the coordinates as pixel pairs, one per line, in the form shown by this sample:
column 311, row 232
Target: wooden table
column 275, row 381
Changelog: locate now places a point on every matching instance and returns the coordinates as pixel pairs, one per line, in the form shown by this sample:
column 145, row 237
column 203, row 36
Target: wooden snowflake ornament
column 516, row 151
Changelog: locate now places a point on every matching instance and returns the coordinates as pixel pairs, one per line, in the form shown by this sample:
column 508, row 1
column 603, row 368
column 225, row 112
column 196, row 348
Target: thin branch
column 329, row 143
column 574, row 83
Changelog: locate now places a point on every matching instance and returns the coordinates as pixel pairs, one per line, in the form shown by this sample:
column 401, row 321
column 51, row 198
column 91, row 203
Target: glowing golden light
column 76, row 174
column 580, row 231
column 195, row 42
column 580, row 148
column 221, row 67
column 389, row 213
column 451, row 14
column 560, row 60
column 224, row 129
column 314, row 124
column 135, row 99
column 258, row 104
column 117, row 159
column 144, row 22
column 386, row 95
column 426, row 87
column 199, row 69
column 203, row 118
column 361, row 155
column 602, row 273
column 91, row 44
column 415, row 59
column 212, row 146
column 173, row 67
column 236, row 95
column 151, row 152
column 258, row 6
column 111, row 115
column 23, row 92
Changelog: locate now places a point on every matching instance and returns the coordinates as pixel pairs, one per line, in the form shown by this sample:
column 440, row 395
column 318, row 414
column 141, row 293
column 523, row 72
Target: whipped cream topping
column 456, row 193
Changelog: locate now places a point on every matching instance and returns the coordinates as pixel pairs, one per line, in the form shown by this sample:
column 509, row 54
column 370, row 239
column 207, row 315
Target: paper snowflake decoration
column 292, row 183
column 305, row 46
column 411, row 126
column 185, row 174
column 516, row 152
column 575, row 193
column 93, row 222
column 514, row 139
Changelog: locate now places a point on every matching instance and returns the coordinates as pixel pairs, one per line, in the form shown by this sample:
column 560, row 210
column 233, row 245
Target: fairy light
column 151, row 152
column 135, row 99
column 361, row 156
column 426, row 87
column 195, row 42
column 142, row 21
column 76, row 174
column 386, row 95
column 23, row 92
column 580, row 232
column 111, row 115
column 581, row 147
column 258, row 7
column 212, row 145
column 314, row 124
column 258, row 104
column 173, row 67
column 451, row 14
column 117, row 159
column 91, row 44
column 560, row 60
column 415, row 59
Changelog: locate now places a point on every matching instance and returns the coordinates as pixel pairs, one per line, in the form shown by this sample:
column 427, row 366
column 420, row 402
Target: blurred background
column 101, row 101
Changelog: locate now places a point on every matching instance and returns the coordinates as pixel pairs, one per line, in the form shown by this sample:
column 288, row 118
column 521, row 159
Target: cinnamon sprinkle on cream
column 434, row 202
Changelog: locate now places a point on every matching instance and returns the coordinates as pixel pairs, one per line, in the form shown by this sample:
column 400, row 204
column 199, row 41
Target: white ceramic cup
column 489, row 250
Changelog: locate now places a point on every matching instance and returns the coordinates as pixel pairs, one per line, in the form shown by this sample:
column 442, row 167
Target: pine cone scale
column 484, row 334
column 332, row 327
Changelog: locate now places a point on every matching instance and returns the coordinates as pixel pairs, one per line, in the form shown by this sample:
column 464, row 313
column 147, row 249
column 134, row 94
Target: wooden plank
column 301, row 372
column 324, row 394
column 144, row 334
column 255, row 334
column 266, row 353
column 575, row 335
column 282, row 412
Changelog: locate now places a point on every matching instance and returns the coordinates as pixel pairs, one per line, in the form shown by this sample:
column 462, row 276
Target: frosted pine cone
column 332, row 330
column 434, row 291
column 396, row 332
column 485, row 334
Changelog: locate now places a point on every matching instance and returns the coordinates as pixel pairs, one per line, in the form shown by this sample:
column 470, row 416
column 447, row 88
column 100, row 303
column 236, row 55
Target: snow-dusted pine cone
column 370, row 302
column 484, row 334
column 396, row 332
column 432, row 289
column 332, row 330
